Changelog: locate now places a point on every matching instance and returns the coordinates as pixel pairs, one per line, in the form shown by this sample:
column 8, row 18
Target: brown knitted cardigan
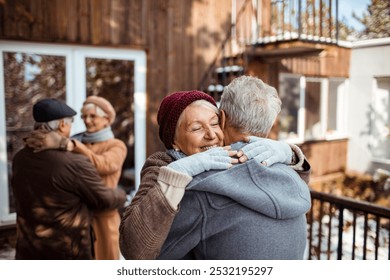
column 147, row 220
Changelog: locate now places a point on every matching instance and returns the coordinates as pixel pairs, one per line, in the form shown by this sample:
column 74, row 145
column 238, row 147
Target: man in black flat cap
column 55, row 191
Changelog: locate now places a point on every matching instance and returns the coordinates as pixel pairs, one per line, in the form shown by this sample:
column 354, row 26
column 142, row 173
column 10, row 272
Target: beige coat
column 108, row 158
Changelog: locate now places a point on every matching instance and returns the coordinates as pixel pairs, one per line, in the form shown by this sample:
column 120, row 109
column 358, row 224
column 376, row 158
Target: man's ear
column 61, row 125
column 222, row 119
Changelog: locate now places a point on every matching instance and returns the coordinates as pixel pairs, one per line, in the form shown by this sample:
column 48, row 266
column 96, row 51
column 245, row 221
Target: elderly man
column 55, row 191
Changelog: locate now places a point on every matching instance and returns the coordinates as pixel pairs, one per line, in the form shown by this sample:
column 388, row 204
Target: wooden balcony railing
column 344, row 228
column 265, row 21
column 310, row 18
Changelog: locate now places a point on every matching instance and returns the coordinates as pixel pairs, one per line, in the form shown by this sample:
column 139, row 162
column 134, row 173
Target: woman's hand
column 215, row 158
column 266, row 151
column 40, row 140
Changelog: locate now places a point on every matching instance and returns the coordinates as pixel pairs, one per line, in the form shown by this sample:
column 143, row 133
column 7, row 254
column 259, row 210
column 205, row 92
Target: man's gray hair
column 251, row 105
column 52, row 125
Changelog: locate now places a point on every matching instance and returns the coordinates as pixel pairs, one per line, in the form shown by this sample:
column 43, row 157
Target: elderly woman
column 107, row 154
column 189, row 128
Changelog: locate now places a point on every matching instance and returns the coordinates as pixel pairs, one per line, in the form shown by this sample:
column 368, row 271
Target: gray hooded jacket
column 247, row 212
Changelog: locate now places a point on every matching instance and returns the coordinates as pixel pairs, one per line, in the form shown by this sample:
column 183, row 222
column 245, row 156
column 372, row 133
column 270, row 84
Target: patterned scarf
column 176, row 154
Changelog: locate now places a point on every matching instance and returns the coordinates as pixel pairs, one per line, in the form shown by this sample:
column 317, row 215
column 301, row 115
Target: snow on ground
column 383, row 241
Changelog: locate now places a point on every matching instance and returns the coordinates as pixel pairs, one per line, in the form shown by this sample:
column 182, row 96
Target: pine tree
column 376, row 21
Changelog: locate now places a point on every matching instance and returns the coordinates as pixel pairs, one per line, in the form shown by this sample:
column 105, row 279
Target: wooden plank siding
column 181, row 38
column 332, row 61
column 326, row 157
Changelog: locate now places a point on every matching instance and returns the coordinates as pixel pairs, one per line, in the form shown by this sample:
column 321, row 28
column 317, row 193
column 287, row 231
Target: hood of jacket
column 276, row 191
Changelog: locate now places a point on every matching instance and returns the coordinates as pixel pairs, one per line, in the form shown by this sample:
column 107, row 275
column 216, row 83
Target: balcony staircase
column 228, row 68
column 230, row 62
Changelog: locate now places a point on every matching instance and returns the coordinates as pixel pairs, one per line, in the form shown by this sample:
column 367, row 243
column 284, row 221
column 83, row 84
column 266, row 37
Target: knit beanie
column 170, row 110
column 103, row 104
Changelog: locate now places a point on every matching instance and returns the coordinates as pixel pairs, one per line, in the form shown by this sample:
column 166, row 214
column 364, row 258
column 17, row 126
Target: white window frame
column 75, row 95
column 374, row 102
column 324, row 86
column 341, row 108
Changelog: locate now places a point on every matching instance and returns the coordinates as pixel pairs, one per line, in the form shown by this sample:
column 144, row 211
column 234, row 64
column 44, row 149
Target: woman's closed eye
column 201, row 128
column 196, row 128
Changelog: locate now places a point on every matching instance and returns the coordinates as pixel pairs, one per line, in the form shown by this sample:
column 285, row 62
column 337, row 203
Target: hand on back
column 41, row 139
column 216, row 158
column 265, row 151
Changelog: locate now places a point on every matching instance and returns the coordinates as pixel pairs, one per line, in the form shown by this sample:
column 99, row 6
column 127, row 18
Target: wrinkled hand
column 266, row 151
column 215, row 158
column 40, row 140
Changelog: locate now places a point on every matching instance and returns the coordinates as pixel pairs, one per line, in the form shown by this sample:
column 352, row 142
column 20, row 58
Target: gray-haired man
column 251, row 211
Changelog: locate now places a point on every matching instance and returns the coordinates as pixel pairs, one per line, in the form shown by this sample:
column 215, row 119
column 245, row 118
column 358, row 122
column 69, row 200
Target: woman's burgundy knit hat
column 170, row 110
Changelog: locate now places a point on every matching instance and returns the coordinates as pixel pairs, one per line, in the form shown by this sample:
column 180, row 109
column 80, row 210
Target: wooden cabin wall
column 332, row 61
column 180, row 37
column 326, row 157
column 244, row 23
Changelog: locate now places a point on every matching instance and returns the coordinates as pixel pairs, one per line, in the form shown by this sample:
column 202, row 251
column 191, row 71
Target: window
column 27, row 79
column 380, row 120
column 312, row 108
column 30, row 72
column 313, row 124
column 289, row 93
column 113, row 80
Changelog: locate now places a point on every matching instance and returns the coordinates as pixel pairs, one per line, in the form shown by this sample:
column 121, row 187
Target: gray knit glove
column 267, row 151
column 215, row 158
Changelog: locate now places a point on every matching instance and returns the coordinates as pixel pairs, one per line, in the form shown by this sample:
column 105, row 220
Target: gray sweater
column 247, row 212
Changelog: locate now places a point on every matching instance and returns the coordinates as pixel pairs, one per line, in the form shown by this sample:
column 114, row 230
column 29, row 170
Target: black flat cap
column 50, row 109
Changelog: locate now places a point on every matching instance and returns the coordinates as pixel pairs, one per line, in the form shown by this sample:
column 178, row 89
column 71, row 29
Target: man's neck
column 233, row 135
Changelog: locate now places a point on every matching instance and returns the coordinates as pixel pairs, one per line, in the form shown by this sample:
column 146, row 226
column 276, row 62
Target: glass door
column 113, row 79
column 30, row 72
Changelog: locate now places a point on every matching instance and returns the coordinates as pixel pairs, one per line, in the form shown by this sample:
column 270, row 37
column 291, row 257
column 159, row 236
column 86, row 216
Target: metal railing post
column 341, row 227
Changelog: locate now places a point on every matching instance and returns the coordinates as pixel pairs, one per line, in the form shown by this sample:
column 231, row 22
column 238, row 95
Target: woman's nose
column 87, row 120
column 210, row 133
